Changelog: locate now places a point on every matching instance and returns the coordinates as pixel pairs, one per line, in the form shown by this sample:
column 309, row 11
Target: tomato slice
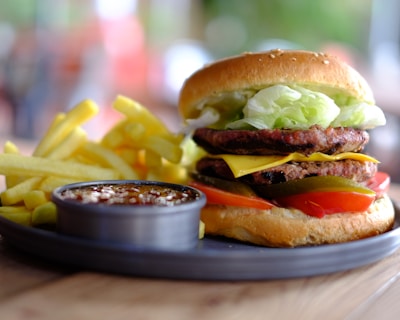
column 314, row 203
column 318, row 204
column 218, row 196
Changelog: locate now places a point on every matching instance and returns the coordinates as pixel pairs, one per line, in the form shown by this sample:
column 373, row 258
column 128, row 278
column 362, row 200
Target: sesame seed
column 272, row 56
column 277, row 52
column 293, row 59
column 325, row 61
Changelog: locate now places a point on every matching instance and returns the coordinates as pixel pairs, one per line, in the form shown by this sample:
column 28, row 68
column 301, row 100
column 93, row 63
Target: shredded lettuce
column 296, row 107
column 360, row 115
column 289, row 107
column 281, row 106
column 207, row 117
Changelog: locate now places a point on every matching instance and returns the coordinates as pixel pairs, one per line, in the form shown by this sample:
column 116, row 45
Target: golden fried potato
column 110, row 159
column 138, row 146
column 34, row 198
column 17, row 214
column 46, row 213
column 67, row 147
column 15, row 194
column 61, row 128
column 41, row 167
column 11, row 181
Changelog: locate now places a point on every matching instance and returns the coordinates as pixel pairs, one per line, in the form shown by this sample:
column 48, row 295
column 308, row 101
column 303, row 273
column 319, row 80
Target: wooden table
column 34, row 289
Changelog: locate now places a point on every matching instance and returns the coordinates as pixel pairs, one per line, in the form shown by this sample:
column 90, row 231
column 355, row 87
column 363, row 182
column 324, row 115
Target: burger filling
column 285, row 141
column 358, row 171
column 281, row 141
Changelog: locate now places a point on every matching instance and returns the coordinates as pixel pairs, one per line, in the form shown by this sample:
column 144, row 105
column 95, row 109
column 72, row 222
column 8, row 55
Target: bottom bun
column 280, row 227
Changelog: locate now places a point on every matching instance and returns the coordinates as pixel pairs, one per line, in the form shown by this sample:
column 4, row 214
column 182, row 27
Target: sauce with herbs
column 130, row 194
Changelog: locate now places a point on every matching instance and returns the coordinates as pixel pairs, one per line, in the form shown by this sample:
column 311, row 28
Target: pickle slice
column 227, row 185
column 311, row 184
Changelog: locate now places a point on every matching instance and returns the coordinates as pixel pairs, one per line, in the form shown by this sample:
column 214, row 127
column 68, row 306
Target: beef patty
column 358, row 171
column 281, row 142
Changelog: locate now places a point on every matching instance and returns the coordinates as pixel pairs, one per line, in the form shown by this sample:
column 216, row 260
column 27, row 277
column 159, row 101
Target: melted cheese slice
column 242, row 164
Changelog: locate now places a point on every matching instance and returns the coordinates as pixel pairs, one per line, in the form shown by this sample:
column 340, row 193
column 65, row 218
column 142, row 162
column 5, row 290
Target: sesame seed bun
column 254, row 71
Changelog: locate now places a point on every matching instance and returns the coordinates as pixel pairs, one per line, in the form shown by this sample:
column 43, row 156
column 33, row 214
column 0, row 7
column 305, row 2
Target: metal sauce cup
column 157, row 226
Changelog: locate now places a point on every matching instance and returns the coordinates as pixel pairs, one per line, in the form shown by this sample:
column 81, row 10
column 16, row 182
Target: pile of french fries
column 139, row 146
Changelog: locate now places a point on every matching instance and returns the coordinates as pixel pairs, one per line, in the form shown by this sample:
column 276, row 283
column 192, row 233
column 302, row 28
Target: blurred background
column 53, row 54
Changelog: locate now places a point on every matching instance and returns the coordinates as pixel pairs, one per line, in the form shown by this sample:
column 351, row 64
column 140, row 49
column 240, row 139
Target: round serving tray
column 212, row 259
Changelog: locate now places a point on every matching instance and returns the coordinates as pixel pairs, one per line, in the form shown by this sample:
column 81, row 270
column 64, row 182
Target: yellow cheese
column 242, row 164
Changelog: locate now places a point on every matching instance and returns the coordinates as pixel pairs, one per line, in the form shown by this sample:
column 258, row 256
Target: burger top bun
column 318, row 71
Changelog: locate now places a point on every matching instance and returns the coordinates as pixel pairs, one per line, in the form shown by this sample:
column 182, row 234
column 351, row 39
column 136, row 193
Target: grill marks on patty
column 352, row 169
column 281, row 142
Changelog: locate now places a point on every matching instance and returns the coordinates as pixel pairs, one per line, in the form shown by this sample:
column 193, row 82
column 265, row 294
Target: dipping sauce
column 148, row 214
column 130, row 194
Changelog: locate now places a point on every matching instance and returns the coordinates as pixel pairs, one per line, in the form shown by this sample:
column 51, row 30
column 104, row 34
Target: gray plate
column 213, row 259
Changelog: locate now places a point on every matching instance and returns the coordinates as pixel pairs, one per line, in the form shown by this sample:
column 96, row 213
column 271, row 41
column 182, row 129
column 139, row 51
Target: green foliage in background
column 307, row 23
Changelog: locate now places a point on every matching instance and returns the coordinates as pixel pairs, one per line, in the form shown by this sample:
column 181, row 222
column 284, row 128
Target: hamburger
column 281, row 135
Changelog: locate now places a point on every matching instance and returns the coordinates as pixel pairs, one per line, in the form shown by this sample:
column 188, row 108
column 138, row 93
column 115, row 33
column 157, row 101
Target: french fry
column 167, row 172
column 16, row 194
column 109, row 158
column 12, row 180
column 36, row 166
column 202, row 229
column 139, row 146
column 69, row 145
column 46, row 213
column 152, row 159
column 10, row 147
column 137, row 113
column 40, row 148
column 136, row 133
column 164, row 148
column 34, row 198
column 56, row 133
column 47, row 185
column 17, row 214
column 11, row 209
column 115, row 137
column 57, row 120
column 140, row 165
column 174, row 172
column 129, row 155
